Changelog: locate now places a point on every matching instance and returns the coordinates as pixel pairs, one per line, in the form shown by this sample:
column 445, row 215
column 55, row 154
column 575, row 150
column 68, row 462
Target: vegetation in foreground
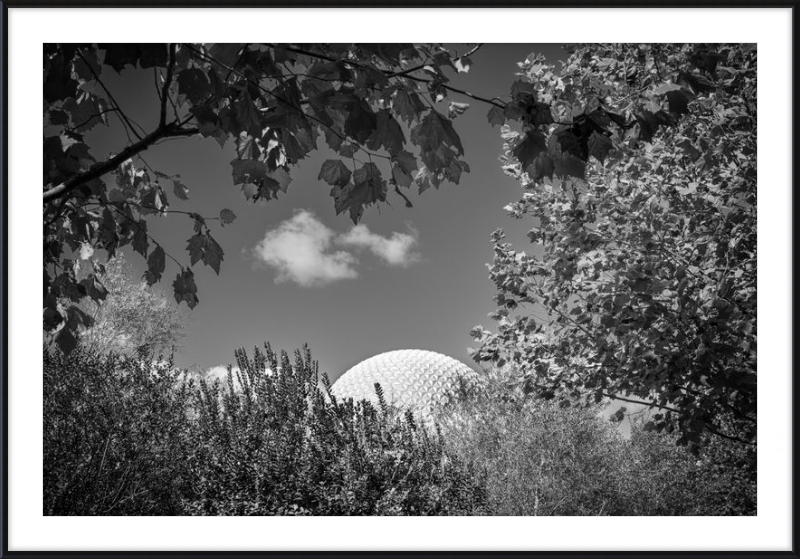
column 125, row 437
column 547, row 459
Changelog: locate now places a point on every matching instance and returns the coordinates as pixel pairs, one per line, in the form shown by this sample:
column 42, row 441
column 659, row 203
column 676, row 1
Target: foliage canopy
column 373, row 104
column 640, row 185
column 638, row 163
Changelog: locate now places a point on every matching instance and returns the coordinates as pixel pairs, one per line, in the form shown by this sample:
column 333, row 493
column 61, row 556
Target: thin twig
column 165, row 88
column 123, row 116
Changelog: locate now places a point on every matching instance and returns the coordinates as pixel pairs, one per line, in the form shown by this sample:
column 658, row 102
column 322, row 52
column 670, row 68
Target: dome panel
column 410, row 378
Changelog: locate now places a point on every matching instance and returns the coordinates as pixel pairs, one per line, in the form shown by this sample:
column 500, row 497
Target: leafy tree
column 639, row 169
column 133, row 317
column 374, row 105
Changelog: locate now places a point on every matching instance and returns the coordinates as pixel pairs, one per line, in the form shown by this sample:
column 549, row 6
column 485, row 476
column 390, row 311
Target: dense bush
column 274, row 442
column 122, row 436
column 719, row 481
column 115, row 435
column 547, row 458
column 126, row 437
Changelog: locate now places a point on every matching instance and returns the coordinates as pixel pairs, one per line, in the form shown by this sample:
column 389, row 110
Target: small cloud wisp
column 396, row 250
column 301, row 250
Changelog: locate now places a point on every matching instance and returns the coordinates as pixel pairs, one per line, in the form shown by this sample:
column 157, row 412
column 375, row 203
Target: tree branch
column 99, row 169
column 390, row 74
column 706, row 425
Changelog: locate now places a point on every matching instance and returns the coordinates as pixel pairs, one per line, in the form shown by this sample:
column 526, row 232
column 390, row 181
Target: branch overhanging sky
column 294, row 272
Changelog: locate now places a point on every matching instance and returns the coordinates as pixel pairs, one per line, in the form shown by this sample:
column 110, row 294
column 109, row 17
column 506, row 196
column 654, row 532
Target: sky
column 294, row 272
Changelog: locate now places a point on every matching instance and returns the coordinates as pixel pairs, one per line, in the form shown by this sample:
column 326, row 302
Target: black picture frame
column 418, row 4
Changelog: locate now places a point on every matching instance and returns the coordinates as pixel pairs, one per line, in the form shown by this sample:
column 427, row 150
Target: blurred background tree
column 134, row 317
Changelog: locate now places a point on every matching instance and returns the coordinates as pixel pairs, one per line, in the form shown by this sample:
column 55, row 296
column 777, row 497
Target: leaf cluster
column 642, row 285
column 372, row 105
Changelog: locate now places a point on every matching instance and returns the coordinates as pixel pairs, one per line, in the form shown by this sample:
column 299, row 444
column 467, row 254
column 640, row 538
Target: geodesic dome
column 410, row 378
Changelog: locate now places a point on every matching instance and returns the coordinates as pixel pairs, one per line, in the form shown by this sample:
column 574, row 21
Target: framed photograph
column 406, row 280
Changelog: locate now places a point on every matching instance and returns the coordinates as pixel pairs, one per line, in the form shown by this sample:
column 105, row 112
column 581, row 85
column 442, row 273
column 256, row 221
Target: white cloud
column 396, row 250
column 301, row 249
column 220, row 373
column 298, row 249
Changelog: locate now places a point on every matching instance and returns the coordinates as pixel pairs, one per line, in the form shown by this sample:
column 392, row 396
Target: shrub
column 719, row 481
column 547, row 458
column 127, row 437
column 115, row 433
column 274, row 442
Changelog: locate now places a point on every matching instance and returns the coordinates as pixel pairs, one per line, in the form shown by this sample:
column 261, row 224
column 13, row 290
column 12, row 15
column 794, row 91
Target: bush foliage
column 547, row 458
column 115, row 435
column 274, row 442
column 124, row 436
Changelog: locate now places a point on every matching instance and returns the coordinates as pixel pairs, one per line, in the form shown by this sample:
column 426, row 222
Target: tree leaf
column 334, row 172
column 401, row 177
column 85, row 111
column 679, row 101
column 119, row 55
column 599, row 146
column 408, row 105
column 185, row 288
column 406, row 161
column 666, row 87
column 368, row 187
column 204, row 247
column 388, row 133
column 196, row 247
column 434, row 131
column 180, row 189
column 66, row 340
column 248, row 171
column 226, row 216
column 94, row 289
column 58, row 82
column 193, row 83
column 226, row 53
column 529, row 148
column 51, row 319
column 77, row 319
column 156, row 263
column 496, row 116
column 281, row 177
column 247, row 114
column 523, row 89
column 463, row 64
column 567, row 165
column 456, row 109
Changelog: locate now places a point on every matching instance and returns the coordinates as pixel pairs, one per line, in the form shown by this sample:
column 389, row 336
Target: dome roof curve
column 410, row 378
